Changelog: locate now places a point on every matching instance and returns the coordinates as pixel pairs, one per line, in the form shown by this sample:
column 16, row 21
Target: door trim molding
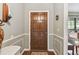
column 47, row 27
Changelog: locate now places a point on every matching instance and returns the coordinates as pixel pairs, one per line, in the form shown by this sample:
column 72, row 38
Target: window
column 77, row 24
column 73, row 23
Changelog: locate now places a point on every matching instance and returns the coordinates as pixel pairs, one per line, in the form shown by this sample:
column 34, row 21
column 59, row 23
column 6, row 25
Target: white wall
column 39, row 7
column 13, row 31
column 73, row 7
column 16, row 26
column 0, row 10
column 58, row 28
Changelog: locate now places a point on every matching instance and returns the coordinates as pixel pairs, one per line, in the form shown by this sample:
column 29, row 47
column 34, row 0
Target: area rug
column 39, row 53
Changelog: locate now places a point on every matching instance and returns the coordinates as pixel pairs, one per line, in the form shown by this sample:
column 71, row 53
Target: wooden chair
column 71, row 47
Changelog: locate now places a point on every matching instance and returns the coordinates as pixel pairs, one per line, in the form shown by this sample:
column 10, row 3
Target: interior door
column 39, row 30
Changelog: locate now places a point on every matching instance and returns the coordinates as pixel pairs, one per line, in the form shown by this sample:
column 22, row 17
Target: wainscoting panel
column 17, row 40
column 58, row 44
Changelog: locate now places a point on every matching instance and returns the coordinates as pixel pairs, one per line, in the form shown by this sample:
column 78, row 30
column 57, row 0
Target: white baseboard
column 52, row 50
column 24, row 50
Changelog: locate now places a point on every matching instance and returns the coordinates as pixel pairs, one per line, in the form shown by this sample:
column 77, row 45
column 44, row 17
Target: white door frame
column 47, row 26
column 65, row 29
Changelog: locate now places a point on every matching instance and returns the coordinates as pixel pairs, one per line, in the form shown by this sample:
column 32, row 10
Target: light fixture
column 5, row 14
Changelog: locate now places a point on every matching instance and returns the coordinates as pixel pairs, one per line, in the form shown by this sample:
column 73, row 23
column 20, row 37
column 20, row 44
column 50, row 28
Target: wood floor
column 29, row 52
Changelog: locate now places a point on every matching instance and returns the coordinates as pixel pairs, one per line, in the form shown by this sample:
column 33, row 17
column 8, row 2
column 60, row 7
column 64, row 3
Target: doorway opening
column 38, row 31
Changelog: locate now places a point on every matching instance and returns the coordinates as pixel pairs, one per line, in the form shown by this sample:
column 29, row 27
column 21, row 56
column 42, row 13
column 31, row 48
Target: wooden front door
column 39, row 30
